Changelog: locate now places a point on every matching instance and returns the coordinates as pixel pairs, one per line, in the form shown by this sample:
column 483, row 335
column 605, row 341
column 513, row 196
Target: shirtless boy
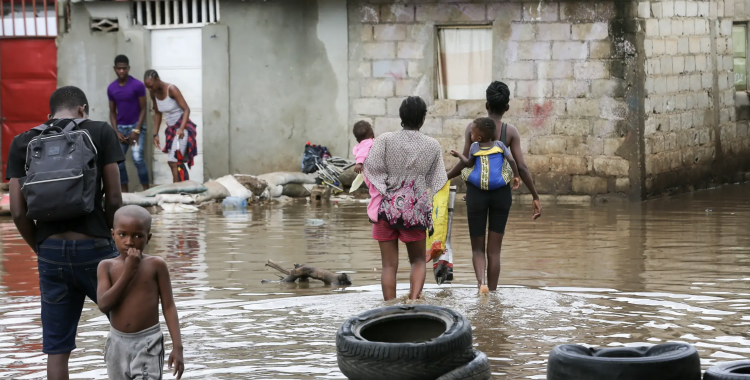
column 130, row 287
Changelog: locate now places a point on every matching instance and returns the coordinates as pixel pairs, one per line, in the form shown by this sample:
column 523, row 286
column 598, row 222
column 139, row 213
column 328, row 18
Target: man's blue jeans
column 137, row 152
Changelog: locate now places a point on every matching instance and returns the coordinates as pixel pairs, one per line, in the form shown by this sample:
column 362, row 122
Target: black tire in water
column 477, row 369
column 668, row 361
column 739, row 370
column 416, row 342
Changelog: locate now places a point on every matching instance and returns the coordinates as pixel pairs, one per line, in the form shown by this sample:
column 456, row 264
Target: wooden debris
column 304, row 272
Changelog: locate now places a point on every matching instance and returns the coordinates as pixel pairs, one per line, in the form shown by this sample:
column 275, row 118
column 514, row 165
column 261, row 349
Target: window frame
column 746, row 25
column 436, row 58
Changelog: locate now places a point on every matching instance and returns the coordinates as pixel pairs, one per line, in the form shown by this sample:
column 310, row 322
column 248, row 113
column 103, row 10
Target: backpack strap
column 503, row 134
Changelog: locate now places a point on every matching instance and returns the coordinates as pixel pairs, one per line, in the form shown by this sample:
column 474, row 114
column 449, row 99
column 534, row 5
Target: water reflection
column 618, row 274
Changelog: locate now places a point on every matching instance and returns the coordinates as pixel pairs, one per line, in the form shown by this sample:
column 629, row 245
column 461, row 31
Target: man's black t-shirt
column 108, row 151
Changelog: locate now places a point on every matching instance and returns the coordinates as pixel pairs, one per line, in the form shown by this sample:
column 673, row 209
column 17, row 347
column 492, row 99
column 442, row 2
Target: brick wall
column 612, row 99
column 737, row 161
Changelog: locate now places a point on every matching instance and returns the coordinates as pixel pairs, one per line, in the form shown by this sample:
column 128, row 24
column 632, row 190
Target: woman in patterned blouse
column 407, row 168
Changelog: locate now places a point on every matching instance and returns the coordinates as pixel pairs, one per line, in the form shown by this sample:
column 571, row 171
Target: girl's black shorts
column 482, row 205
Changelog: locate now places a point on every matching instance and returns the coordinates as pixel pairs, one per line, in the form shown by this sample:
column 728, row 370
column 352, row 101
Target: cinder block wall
column 567, row 65
column 690, row 128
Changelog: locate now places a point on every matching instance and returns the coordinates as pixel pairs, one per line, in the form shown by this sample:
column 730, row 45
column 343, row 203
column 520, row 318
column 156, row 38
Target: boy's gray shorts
column 132, row 356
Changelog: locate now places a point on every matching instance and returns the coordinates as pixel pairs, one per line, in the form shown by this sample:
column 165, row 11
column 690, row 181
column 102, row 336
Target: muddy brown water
column 610, row 275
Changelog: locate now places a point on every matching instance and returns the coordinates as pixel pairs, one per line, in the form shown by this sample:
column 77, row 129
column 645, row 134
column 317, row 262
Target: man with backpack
column 59, row 173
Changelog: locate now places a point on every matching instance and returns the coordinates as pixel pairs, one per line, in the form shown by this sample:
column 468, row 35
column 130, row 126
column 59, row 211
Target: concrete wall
column 287, row 82
column 740, row 148
column 691, row 135
column 566, row 64
column 85, row 59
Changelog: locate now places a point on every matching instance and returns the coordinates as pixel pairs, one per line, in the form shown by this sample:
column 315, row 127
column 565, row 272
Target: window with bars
column 155, row 14
column 28, row 18
column 739, row 40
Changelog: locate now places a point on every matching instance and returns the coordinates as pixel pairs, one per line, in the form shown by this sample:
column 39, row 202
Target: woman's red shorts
column 383, row 231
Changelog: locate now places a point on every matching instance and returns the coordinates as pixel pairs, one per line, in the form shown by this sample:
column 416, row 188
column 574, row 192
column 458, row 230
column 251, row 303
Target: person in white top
column 168, row 101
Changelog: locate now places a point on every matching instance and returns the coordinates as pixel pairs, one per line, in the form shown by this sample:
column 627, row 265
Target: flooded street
column 620, row 274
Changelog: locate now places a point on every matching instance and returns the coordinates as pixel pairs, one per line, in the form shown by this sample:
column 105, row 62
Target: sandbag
column 216, row 191
column 234, row 187
column 252, row 183
column 272, row 191
column 174, row 198
column 347, row 177
column 138, row 200
column 283, row 178
column 186, row 187
column 177, row 208
column 295, row 190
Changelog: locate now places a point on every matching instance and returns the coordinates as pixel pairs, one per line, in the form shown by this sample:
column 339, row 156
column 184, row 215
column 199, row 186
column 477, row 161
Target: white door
column 176, row 54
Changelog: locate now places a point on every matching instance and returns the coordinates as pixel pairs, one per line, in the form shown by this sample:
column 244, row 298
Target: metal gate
column 28, row 66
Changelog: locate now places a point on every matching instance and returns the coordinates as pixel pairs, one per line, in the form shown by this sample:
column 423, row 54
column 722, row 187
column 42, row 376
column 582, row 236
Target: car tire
column 416, row 342
column 738, row 370
column 668, row 361
column 477, row 369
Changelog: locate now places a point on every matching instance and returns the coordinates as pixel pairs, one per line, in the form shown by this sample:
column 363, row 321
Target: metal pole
column 23, row 12
column 46, row 26
column 2, row 20
column 36, row 26
column 185, row 19
column 139, row 9
column 148, row 14
column 204, row 12
column 211, row 14
column 194, row 19
column 12, row 17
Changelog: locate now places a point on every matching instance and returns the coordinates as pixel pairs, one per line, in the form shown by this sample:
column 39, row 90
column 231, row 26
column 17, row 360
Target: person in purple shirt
column 127, row 111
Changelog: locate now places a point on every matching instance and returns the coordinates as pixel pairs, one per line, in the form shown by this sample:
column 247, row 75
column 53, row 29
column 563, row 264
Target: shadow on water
column 611, row 275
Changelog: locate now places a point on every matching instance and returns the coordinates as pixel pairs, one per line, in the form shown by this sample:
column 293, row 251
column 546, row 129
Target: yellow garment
column 437, row 237
column 487, row 152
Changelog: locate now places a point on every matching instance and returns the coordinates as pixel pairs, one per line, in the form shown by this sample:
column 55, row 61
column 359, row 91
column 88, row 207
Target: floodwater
column 675, row 269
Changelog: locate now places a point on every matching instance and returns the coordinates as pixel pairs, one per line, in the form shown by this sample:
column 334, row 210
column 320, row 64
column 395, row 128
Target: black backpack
column 60, row 182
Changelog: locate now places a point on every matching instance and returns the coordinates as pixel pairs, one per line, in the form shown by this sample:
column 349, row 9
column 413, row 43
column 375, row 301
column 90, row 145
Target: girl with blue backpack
column 488, row 193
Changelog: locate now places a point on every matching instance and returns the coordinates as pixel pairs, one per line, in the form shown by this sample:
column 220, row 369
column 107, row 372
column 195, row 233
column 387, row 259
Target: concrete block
column 411, row 50
column 570, row 89
column 611, row 166
column 544, row 145
column 676, row 27
column 648, row 48
column 695, row 45
column 540, row 12
column 385, row 124
column 568, row 165
column 406, row 87
column 363, row 69
column 390, row 32
column 578, row 11
column 671, row 46
column 377, row 88
column 420, row 32
column 600, row 50
column 653, row 67
column 665, row 27
column 683, row 46
column 667, row 9
column 684, row 84
column 611, row 145
column 707, row 80
column 414, row 69
column 555, row 70
column 622, row 185
column 574, row 127
column 725, row 28
column 591, row 70
column 552, row 183
column 701, row 63
column 397, row 13
column 354, row 89
column 672, row 84
column 703, row 9
column 589, row 185
column 534, row 89
column 553, row 32
column 591, row 31
column 504, row 11
column 644, row 9
column 652, row 28
column 695, row 82
column 613, row 88
column 366, row 14
column 537, row 164
column 569, row 50
column 680, row 8
column 451, row 12
column 691, row 8
column 389, row 69
column 573, row 200
column 688, row 27
column 379, row 50
column 472, row 109
column 393, row 105
column 522, row 32
column 366, row 34
column 520, row 70
column 442, row 108
column 432, row 126
column 534, row 51
column 369, row 107
column 656, row 9
column 456, row 127
column 659, row 47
